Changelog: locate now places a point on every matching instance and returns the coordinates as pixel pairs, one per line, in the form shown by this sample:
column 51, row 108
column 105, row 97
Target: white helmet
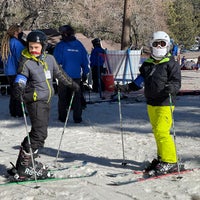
column 164, row 47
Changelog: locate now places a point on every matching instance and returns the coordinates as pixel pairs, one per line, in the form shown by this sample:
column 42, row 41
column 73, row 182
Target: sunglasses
column 160, row 43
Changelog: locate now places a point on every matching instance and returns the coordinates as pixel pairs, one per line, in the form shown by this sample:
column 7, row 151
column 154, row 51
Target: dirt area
column 190, row 80
column 191, row 55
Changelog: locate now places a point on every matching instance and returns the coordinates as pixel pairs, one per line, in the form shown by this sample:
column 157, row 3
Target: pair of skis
column 143, row 177
column 175, row 175
column 50, row 179
column 58, row 174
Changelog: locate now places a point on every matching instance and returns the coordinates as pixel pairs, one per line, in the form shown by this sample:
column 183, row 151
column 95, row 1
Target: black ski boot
column 166, row 168
column 152, row 165
column 24, row 168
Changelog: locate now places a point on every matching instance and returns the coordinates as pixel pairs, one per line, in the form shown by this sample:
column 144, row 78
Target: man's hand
column 18, row 91
column 122, row 88
column 169, row 89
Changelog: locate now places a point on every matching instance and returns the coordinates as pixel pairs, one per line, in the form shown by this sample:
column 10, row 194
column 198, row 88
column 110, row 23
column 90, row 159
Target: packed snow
column 97, row 142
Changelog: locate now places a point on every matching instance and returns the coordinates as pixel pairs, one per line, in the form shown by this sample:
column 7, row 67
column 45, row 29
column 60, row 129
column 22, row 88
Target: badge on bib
column 48, row 74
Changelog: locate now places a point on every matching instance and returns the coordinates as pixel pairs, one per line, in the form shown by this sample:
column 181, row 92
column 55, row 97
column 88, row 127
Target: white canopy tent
column 123, row 64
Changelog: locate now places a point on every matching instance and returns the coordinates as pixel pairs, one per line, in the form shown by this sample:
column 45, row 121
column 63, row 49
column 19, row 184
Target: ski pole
column 66, row 120
column 121, row 128
column 174, row 132
column 29, row 142
column 89, row 91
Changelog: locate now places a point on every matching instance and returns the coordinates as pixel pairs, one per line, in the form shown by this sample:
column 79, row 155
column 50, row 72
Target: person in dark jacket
column 11, row 49
column 161, row 77
column 73, row 58
column 34, row 83
column 97, row 59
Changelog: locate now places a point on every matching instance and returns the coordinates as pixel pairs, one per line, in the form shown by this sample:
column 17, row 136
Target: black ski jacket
column 159, row 76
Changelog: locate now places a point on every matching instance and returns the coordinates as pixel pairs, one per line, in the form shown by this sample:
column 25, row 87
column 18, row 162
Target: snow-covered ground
column 98, row 141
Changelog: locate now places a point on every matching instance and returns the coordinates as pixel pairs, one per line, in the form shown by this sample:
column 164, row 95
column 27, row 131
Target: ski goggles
column 159, row 43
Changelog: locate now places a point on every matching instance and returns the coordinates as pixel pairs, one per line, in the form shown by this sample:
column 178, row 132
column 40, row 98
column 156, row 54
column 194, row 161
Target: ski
column 142, row 179
column 124, row 173
column 51, row 179
column 57, row 167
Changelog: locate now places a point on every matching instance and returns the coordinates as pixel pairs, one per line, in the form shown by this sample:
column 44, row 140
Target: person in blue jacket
column 72, row 56
column 11, row 49
column 175, row 50
column 97, row 59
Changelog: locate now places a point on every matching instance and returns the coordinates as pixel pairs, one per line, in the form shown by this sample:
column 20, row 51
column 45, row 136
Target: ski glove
column 19, row 86
column 133, row 86
column 122, row 88
column 169, row 89
column 18, row 90
column 128, row 87
column 75, row 86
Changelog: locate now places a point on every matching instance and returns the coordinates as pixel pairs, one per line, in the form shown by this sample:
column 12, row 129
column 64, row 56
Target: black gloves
column 18, row 91
column 128, row 87
column 133, row 86
column 169, row 89
column 122, row 88
column 84, row 78
column 75, row 86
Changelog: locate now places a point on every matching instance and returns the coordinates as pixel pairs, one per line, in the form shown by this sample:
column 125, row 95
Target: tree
column 125, row 41
column 105, row 19
column 181, row 22
column 196, row 6
column 147, row 16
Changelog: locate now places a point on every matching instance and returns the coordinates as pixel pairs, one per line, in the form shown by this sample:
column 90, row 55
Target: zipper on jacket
column 47, row 81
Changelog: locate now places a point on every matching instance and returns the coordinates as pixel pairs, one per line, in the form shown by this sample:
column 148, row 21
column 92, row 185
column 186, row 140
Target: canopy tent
column 123, row 64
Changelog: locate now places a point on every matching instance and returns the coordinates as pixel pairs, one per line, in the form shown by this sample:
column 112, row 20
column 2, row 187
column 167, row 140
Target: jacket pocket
column 30, row 95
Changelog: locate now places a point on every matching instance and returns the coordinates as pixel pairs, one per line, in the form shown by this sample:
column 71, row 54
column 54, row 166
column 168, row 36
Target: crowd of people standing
column 31, row 70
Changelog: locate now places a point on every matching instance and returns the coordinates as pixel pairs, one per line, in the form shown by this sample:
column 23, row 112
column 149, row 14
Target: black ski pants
column 39, row 116
column 64, row 98
column 96, row 78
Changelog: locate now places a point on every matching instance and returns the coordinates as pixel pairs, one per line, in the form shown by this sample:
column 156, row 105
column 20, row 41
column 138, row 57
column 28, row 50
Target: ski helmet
column 37, row 36
column 161, row 39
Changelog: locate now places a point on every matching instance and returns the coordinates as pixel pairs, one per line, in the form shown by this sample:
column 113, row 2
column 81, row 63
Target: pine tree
column 181, row 22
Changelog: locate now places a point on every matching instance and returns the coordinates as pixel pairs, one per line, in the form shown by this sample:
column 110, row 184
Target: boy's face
column 35, row 48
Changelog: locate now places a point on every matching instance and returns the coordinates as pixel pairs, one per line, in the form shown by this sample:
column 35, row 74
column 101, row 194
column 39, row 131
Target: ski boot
column 166, row 168
column 151, row 165
column 163, row 168
column 24, row 168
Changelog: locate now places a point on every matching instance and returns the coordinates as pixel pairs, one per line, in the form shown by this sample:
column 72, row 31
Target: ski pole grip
column 118, row 89
column 21, row 98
